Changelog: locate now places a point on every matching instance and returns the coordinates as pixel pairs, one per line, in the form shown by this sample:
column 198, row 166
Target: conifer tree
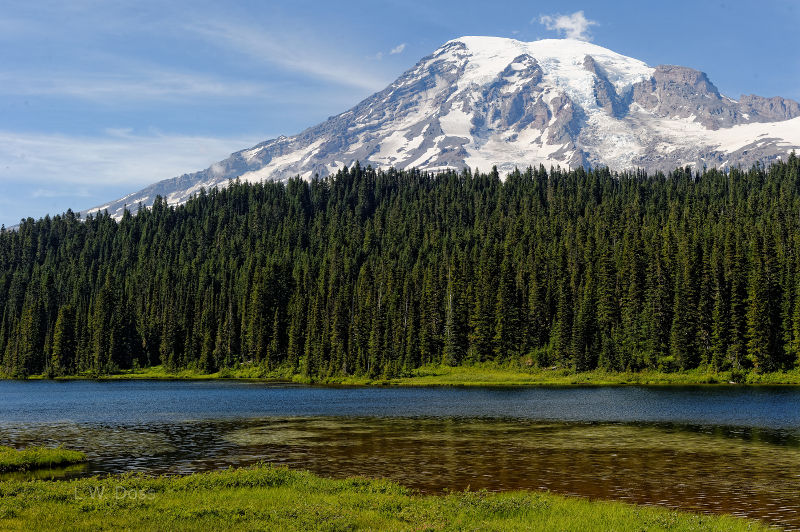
column 455, row 333
column 372, row 272
column 506, row 339
column 759, row 350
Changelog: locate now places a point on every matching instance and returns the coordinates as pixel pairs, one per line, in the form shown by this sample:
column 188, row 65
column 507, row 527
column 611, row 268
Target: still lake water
column 715, row 448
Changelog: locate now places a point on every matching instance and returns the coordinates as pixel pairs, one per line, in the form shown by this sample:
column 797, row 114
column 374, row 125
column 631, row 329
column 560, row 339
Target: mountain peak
column 590, row 76
column 490, row 43
column 494, row 101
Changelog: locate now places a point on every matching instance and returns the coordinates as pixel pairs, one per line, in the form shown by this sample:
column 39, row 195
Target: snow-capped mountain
column 483, row 101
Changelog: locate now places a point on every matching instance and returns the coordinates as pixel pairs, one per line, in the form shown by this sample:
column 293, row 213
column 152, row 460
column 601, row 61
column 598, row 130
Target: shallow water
column 168, row 401
column 714, row 449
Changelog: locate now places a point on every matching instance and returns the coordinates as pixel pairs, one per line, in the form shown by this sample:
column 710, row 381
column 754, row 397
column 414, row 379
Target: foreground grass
column 267, row 498
column 37, row 458
column 488, row 374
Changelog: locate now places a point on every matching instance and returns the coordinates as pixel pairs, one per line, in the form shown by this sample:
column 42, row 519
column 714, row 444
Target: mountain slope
column 485, row 101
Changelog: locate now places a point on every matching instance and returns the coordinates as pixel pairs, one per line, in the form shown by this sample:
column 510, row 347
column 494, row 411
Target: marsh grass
column 513, row 373
column 37, row 458
column 271, row 498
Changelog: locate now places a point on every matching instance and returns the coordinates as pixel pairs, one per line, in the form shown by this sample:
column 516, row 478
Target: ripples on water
column 746, row 471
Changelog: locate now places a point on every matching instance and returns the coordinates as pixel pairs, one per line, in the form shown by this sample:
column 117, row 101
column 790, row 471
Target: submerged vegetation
column 37, row 458
column 280, row 499
column 371, row 275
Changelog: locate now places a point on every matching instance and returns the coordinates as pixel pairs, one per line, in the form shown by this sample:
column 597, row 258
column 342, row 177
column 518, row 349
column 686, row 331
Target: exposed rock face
column 681, row 92
column 565, row 124
column 768, row 109
column 513, row 109
column 604, row 92
column 484, row 101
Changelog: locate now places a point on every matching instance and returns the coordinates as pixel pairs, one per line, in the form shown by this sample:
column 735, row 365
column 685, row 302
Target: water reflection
column 749, row 472
column 49, row 473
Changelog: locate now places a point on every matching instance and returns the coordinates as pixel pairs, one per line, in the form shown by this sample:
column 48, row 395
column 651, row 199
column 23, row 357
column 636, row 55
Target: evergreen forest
column 378, row 272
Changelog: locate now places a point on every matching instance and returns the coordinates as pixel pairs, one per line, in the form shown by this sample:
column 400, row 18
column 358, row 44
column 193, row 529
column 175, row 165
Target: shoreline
column 455, row 376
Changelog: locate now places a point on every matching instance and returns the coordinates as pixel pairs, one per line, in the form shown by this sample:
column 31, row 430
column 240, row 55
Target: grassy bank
column 37, row 458
column 267, row 498
column 474, row 375
column 494, row 375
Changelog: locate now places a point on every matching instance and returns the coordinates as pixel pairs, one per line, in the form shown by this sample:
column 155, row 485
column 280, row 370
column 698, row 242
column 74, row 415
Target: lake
column 731, row 449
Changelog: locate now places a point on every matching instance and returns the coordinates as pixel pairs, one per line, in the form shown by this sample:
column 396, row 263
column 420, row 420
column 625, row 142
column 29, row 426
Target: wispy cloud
column 287, row 51
column 120, row 157
column 61, row 192
column 140, row 85
column 574, row 26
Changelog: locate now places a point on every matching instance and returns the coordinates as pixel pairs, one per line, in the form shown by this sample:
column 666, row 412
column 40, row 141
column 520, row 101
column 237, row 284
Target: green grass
column 490, row 374
column 37, row 458
column 487, row 374
column 494, row 375
column 267, row 498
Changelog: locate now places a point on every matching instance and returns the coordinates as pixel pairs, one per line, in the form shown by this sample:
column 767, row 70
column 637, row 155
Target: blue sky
column 98, row 99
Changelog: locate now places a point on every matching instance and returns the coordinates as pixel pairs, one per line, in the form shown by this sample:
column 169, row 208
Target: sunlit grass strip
column 267, row 498
column 37, row 458
column 485, row 374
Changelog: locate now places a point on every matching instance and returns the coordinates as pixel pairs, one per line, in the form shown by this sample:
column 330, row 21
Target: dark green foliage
column 63, row 354
column 376, row 273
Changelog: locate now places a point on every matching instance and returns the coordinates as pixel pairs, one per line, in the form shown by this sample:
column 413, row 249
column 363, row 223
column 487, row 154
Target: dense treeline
column 375, row 273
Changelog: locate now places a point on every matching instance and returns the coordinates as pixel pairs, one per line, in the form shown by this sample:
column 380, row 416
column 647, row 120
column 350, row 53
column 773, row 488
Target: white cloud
column 52, row 162
column 394, row 51
column 574, row 26
column 288, row 51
